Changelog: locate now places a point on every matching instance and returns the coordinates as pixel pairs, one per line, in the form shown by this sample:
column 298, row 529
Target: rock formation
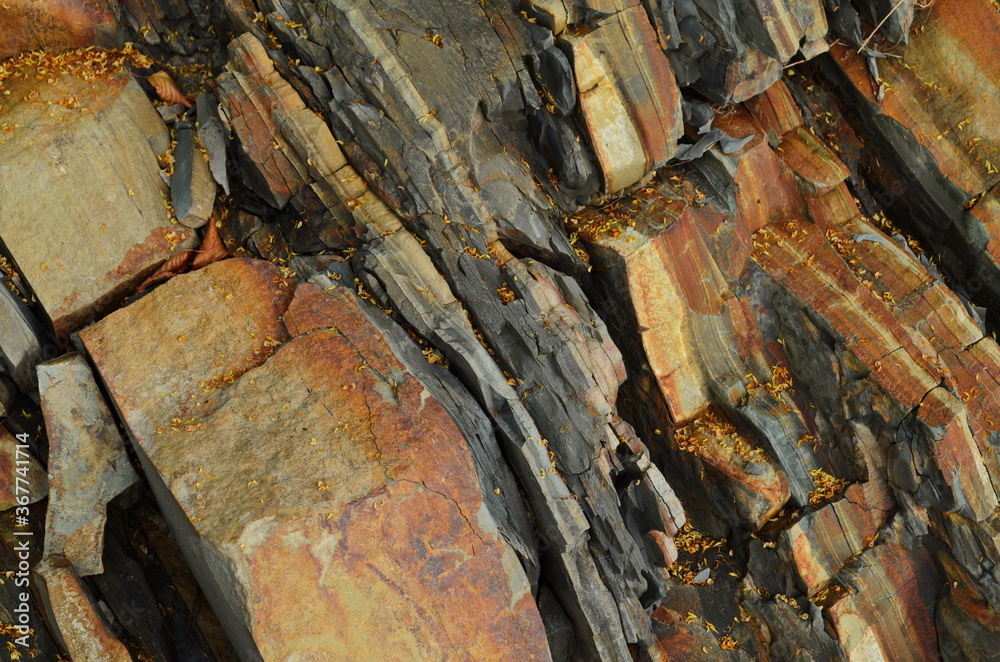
column 592, row 330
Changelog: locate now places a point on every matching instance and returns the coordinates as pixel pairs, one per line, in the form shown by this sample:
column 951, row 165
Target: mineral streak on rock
column 592, row 330
column 366, row 474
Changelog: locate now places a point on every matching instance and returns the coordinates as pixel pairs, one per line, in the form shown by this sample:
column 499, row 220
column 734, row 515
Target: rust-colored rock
column 632, row 113
column 84, row 632
column 316, row 452
column 55, row 25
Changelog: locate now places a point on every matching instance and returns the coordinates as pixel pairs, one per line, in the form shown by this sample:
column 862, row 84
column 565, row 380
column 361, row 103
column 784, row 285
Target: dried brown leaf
column 212, row 248
column 175, row 265
column 167, row 89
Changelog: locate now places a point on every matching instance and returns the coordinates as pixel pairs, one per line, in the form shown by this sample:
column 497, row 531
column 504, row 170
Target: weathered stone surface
column 967, row 625
column 88, row 465
column 81, row 199
column 632, row 114
column 935, row 132
column 19, row 462
column 55, row 25
column 732, row 50
column 81, row 628
column 372, row 476
column 845, row 355
column 822, row 400
column 889, row 612
column 553, row 428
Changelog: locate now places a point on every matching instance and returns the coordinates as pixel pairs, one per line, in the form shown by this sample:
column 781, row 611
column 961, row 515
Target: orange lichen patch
column 827, row 486
column 710, row 429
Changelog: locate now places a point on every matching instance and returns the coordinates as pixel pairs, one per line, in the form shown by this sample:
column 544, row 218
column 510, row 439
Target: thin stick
column 881, row 23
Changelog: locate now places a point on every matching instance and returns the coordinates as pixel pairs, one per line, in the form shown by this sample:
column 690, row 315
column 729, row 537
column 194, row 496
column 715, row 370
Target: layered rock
column 550, row 388
column 633, row 119
column 847, row 357
column 355, row 446
column 937, row 157
column 473, row 353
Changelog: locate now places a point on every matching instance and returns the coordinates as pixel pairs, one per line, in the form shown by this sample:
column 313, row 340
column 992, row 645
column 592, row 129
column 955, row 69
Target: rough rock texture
column 82, row 631
column 15, row 462
column 371, row 493
column 552, row 401
column 873, row 363
column 88, row 466
column 704, row 318
column 81, row 198
column 54, row 25
column 633, row 118
column 931, row 118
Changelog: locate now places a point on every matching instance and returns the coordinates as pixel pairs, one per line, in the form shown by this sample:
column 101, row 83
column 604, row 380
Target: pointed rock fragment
column 84, row 634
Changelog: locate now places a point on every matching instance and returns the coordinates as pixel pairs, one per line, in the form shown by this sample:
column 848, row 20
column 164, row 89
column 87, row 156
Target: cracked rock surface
column 592, row 330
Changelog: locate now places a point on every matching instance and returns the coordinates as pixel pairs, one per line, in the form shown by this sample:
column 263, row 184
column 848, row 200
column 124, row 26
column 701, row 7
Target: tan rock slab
column 82, row 204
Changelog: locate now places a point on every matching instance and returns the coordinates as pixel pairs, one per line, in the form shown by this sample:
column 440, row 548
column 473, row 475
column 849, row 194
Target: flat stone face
column 82, row 204
column 322, row 474
column 628, row 95
column 88, row 466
